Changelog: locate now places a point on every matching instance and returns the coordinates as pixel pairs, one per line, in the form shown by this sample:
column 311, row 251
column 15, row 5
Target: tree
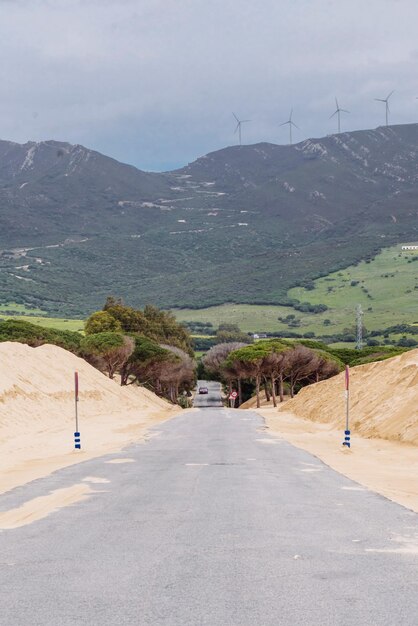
column 112, row 350
column 145, row 363
column 177, row 374
column 249, row 363
column 299, row 364
column 216, row 357
column 327, row 365
column 228, row 333
column 274, row 367
column 214, row 363
column 161, row 326
column 102, row 322
column 165, row 369
column 131, row 320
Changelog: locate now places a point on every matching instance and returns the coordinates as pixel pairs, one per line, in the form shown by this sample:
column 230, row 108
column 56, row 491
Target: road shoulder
column 37, row 452
column 386, row 467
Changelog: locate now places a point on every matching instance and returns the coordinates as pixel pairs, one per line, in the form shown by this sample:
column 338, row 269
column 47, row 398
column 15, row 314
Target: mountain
column 242, row 224
column 52, row 189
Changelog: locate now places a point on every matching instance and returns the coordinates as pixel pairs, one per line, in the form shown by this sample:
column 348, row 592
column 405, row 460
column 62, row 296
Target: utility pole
column 359, row 326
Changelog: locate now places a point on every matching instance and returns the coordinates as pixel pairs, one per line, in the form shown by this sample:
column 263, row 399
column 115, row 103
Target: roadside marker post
column 347, row 432
column 77, row 439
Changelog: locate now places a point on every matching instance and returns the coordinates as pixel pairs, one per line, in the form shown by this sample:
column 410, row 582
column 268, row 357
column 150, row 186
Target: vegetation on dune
column 109, row 351
column 366, row 355
column 165, row 369
column 33, row 335
column 146, row 347
column 102, row 322
column 145, row 362
column 283, row 365
column 161, row 326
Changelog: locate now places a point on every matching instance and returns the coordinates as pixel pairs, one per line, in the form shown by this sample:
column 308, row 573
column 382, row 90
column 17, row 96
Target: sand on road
column 37, row 412
column 383, row 421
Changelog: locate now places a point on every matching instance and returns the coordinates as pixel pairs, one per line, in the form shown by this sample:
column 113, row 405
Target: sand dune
column 37, row 412
column 383, row 421
column 383, row 400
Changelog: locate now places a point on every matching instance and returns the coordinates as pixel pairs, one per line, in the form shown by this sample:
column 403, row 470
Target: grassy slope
column 249, row 317
column 393, row 299
column 36, row 316
column 19, row 309
column 392, row 292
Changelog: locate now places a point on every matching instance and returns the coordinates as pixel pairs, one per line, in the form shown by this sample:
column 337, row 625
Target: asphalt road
column 210, row 400
column 215, row 523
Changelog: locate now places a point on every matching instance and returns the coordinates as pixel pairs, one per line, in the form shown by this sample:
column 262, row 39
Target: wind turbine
column 291, row 123
column 338, row 112
column 238, row 128
column 386, row 101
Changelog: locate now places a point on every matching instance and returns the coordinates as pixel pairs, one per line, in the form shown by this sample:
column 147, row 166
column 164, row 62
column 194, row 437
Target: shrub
column 33, row 335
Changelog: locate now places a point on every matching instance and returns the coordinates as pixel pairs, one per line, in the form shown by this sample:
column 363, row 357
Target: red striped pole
column 347, row 433
column 77, row 440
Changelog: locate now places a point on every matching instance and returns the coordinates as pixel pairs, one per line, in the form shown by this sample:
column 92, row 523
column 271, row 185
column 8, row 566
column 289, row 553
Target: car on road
column 203, row 390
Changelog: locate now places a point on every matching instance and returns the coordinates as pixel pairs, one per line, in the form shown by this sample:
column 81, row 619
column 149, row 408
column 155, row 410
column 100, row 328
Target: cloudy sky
column 154, row 82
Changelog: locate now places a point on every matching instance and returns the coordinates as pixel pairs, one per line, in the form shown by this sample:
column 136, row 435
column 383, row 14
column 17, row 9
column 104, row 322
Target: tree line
column 147, row 347
column 271, row 365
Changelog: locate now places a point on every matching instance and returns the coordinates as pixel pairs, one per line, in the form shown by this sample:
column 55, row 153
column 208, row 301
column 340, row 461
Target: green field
column 249, row 317
column 19, row 309
column 387, row 289
column 49, row 322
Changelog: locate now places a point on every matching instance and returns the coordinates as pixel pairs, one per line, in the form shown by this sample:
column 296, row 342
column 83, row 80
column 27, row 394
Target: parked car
column 203, row 390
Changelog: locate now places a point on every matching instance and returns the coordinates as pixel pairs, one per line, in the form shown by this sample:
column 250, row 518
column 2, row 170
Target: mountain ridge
column 244, row 223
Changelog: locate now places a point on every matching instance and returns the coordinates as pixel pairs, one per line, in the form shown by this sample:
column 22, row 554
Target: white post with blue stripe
column 77, row 439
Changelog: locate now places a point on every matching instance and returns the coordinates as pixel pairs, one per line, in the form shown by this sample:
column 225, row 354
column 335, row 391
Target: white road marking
column 270, row 441
column 196, row 464
column 95, row 479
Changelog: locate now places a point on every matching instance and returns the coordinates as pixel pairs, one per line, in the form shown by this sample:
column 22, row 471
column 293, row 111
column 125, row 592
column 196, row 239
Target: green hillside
column 386, row 287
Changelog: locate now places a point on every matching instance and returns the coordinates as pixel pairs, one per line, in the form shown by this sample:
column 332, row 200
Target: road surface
column 212, row 399
column 212, row 523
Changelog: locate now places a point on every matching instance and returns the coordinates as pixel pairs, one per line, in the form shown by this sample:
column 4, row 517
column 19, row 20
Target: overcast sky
column 154, row 82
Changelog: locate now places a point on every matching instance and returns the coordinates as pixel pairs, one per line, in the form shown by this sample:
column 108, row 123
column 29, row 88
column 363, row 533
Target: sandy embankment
column 37, row 412
column 383, row 421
